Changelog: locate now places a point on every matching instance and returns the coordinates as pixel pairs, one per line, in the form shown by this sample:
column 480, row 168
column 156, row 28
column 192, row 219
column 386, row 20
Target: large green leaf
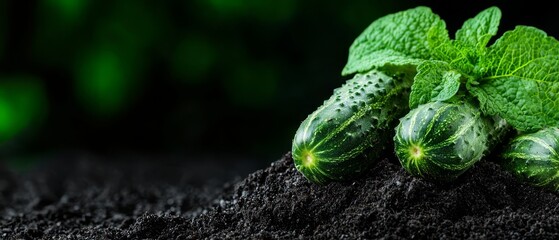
column 397, row 39
column 520, row 79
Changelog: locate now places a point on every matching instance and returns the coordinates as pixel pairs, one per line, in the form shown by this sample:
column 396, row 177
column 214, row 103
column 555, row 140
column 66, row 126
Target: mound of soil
column 142, row 201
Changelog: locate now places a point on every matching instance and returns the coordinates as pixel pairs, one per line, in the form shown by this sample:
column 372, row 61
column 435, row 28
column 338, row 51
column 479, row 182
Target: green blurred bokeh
column 216, row 77
column 103, row 82
column 23, row 105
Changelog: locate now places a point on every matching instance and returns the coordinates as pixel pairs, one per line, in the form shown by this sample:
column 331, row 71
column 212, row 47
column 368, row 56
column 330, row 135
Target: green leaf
column 397, row 39
column 448, row 88
column 520, row 79
column 444, row 49
column 440, row 44
column 476, row 32
column 435, row 81
column 470, row 42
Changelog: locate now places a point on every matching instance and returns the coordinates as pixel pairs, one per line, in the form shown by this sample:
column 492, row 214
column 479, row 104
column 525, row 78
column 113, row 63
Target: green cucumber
column 534, row 158
column 440, row 141
column 346, row 134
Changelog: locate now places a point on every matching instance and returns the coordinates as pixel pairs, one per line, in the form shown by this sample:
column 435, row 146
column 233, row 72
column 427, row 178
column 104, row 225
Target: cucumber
column 534, row 158
column 345, row 135
column 440, row 141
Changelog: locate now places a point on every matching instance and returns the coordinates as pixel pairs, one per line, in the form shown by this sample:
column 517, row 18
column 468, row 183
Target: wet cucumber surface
column 345, row 135
column 440, row 141
column 534, row 158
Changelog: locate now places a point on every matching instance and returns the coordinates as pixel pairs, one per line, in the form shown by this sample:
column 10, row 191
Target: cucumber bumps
column 439, row 141
column 346, row 134
column 534, row 158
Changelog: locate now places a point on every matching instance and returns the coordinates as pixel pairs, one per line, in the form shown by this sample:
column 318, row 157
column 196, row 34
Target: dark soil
column 91, row 200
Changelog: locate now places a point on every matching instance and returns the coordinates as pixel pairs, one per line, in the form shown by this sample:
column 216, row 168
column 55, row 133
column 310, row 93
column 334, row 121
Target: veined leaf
column 470, row 43
column 520, row 79
column 400, row 36
column 435, row 81
column 476, row 32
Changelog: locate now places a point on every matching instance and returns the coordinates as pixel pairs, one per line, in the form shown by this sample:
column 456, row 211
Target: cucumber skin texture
column 346, row 134
column 451, row 137
column 533, row 158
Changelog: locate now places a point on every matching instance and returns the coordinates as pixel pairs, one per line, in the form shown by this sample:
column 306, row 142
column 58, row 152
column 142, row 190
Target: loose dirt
column 88, row 200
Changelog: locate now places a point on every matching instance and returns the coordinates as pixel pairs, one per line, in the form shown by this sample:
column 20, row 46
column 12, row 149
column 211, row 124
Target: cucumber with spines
column 534, row 158
column 345, row 135
column 439, row 141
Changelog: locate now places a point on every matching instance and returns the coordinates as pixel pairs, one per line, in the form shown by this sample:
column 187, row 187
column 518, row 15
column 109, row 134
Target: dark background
column 225, row 79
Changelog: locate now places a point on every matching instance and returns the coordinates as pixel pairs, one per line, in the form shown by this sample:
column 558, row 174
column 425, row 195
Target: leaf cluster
column 515, row 78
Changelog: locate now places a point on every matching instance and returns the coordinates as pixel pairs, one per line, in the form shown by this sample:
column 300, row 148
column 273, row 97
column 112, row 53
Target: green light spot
column 102, row 83
column 22, row 105
column 7, row 126
column 70, row 9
